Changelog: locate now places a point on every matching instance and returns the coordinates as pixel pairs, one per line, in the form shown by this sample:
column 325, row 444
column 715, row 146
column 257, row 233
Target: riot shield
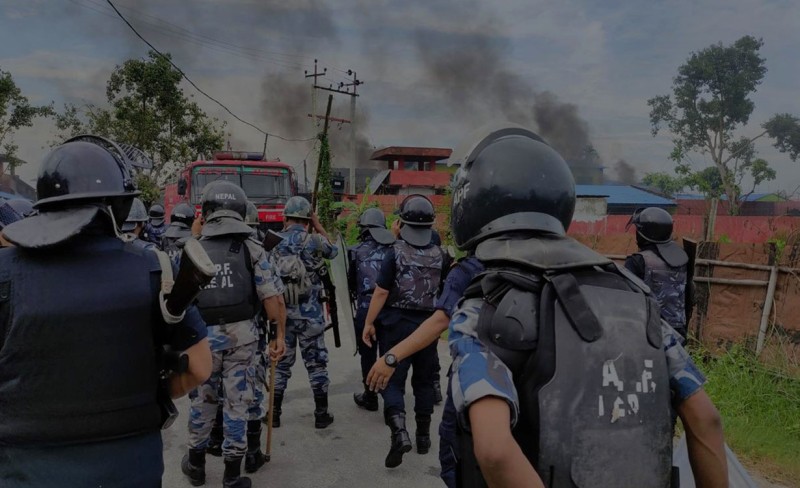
column 339, row 273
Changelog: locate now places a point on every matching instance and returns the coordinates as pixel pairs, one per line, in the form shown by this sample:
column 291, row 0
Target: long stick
column 272, row 364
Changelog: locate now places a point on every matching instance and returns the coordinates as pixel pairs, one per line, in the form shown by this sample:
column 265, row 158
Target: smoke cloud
column 468, row 67
column 471, row 71
column 625, row 173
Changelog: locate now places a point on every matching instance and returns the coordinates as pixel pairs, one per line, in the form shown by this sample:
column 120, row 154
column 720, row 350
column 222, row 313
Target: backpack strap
column 575, row 306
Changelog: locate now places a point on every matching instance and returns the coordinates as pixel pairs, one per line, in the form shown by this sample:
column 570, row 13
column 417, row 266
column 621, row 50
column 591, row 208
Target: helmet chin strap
column 114, row 222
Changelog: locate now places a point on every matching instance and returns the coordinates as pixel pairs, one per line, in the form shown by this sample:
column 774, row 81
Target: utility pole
column 305, row 177
column 316, row 74
column 355, row 83
column 344, row 89
column 321, row 153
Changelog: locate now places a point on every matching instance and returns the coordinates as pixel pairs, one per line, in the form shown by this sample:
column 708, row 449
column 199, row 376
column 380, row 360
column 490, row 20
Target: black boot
column 437, row 390
column 276, row 409
column 367, row 400
column 401, row 443
column 215, row 440
column 233, row 474
column 254, row 458
column 322, row 418
column 193, row 465
column 423, row 433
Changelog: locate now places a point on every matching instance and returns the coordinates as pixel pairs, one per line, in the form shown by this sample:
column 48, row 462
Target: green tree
column 148, row 109
column 710, row 103
column 664, row 183
column 16, row 112
column 325, row 200
column 707, row 181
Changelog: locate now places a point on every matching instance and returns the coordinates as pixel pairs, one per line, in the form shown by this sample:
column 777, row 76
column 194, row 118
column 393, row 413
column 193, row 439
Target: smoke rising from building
column 467, row 69
column 625, row 173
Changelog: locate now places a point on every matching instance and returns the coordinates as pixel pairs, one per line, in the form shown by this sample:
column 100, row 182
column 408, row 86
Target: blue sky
column 607, row 58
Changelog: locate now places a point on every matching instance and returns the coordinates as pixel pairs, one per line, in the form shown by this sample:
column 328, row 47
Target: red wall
column 737, row 229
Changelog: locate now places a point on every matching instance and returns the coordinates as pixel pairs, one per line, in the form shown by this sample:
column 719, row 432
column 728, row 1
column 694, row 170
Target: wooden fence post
column 762, row 330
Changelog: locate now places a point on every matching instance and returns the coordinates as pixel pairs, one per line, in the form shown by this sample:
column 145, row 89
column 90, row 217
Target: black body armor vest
column 231, row 295
column 584, row 345
column 77, row 348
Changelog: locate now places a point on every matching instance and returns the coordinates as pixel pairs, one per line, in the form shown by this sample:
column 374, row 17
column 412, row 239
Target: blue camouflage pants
column 310, row 336
column 423, row 363
column 258, row 408
column 231, row 368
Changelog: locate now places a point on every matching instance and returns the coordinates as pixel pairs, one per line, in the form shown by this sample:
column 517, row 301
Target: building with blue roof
column 625, row 199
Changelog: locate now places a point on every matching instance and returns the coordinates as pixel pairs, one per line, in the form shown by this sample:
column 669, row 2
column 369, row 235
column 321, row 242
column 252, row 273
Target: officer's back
column 79, row 325
column 563, row 372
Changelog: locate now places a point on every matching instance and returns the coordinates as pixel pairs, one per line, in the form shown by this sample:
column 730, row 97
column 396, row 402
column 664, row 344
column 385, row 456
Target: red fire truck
column 268, row 184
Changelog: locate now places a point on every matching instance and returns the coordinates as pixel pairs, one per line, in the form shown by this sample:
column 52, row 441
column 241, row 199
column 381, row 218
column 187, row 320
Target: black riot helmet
column 509, row 180
column 223, row 199
column 156, row 214
column 417, row 215
column 82, row 170
column 417, row 210
column 372, row 217
column 652, row 224
column 85, row 176
column 224, row 207
column 182, row 214
column 373, row 223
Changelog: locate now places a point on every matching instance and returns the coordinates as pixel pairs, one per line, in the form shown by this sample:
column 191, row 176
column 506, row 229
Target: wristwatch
column 390, row 360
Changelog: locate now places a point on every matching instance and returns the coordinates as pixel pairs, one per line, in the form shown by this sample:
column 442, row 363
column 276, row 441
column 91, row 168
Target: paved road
column 348, row 454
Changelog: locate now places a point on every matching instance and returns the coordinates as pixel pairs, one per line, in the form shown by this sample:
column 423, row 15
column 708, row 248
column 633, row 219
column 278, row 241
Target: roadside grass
column 760, row 410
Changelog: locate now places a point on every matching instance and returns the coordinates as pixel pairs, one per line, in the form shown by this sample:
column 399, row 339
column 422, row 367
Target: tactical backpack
column 293, row 272
column 583, row 341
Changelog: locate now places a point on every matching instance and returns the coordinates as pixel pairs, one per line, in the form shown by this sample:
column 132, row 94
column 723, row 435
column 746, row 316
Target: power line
column 188, row 80
column 169, row 29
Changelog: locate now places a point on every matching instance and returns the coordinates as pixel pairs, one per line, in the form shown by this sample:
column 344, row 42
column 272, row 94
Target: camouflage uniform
column 416, row 273
column 233, row 347
column 305, row 323
column 478, row 373
column 667, row 284
column 154, row 233
column 258, row 371
column 365, row 264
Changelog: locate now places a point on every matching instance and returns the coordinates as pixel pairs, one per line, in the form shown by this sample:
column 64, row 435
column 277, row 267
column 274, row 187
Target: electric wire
column 194, row 85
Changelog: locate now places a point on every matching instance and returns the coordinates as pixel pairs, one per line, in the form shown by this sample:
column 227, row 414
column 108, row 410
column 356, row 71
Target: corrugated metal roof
column 754, row 197
column 11, row 196
column 623, row 195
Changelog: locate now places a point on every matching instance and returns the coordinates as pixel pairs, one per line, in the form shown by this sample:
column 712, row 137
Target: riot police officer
column 178, row 230
column 662, row 265
column 251, row 219
column 244, row 283
column 254, row 458
column 563, row 371
column 135, row 221
column 79, row 372
column 156, row 227
column 299, row 260
column 404, row 297
column 365, row 264
column 458, row 278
